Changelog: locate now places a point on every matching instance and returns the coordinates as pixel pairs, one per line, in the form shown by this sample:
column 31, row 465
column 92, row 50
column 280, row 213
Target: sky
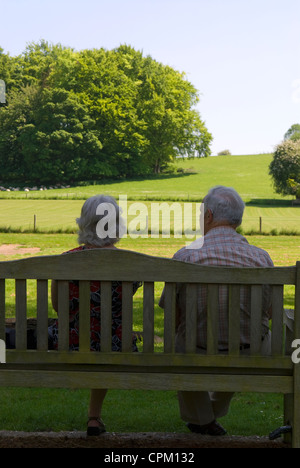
column 243, row 56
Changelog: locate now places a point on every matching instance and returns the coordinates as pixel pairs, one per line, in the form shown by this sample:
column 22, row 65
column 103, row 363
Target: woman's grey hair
column 225, row 204
column 100, row 223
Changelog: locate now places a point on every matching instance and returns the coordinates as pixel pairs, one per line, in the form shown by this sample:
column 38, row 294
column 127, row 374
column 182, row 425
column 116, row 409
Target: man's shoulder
column 262, row 254
column 187, row 254
column 180, row 253
column 238, row 248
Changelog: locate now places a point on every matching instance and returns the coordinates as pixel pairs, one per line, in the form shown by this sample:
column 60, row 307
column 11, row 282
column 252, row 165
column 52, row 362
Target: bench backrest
column 108, row 265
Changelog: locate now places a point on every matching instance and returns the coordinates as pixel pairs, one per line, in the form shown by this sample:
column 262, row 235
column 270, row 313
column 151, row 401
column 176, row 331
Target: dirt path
column 9, row 439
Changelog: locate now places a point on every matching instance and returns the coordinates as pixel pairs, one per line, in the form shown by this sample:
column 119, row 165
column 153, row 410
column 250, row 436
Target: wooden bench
column 150, row 368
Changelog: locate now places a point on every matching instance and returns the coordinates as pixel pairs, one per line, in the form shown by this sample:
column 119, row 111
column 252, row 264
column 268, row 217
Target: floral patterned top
column 95, row 333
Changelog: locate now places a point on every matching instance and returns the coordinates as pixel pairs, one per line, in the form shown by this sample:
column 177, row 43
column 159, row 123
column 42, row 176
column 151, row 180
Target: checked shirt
column 223, row 246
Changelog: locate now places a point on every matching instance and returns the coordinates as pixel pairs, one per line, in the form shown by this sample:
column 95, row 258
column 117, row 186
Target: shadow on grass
column 273, row 202
column 161, row 176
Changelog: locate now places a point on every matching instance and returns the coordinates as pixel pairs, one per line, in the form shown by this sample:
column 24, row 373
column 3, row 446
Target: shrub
column 285, row 168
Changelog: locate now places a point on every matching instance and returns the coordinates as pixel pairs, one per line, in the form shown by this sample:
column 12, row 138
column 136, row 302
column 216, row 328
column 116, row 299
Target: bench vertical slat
column 148, row 317
column 127, row 321
column 191, row 318
column 21, row 314
column 106, row 316
column 169, row 317
column 256, row 317
column 212, row 318
column 296, row 406
column 63, row 315
column 234, row 319
column 84, row 315
column 277, row 320
column 42, row 314
column 2, row 309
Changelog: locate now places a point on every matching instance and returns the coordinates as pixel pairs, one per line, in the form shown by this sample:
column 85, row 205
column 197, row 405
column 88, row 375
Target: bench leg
column 288, row 415
column 296, row 409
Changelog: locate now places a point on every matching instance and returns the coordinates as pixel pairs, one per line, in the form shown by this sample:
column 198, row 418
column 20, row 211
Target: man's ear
column 210, row 215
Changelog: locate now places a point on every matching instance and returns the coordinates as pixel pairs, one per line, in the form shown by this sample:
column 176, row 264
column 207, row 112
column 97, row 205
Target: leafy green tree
column 8, row 70
column 293, row 133
column 53, row 131
column 102, row 85
column 95, row 113
column 165, row 104
column 285, row 168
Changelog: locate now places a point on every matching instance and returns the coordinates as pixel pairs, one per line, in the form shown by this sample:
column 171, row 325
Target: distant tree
column 293, row 133
column 8, row 70
column 165, row 104
column 145, row 110
column 224, row 153
column 285, row 168
column 51, row 132
column 95, row 113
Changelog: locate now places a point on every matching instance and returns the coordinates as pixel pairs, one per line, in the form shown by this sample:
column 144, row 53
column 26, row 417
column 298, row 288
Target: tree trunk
column 157, row 167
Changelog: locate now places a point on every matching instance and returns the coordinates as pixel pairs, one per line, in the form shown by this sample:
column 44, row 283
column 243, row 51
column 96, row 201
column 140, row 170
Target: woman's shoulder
column 76, row 249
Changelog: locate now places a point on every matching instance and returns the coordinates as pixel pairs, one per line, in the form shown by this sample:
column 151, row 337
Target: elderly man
column 223, row 246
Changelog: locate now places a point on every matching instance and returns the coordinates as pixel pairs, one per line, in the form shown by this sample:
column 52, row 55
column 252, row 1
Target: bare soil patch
column 17, row 249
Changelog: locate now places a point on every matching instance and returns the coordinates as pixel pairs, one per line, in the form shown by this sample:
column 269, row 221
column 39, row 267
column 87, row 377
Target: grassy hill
column 56, row 210
column 247, row 174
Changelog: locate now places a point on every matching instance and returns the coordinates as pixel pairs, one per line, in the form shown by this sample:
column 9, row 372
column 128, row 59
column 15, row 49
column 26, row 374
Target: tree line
column 82, row 115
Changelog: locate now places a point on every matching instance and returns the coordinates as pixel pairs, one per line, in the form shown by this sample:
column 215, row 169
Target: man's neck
column 217, row 225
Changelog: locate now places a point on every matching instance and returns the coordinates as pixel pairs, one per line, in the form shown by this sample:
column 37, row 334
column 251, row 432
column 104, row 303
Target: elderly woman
column 100, row 227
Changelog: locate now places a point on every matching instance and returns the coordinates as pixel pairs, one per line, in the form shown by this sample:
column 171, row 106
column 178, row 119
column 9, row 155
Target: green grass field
column 284, row 250
column 56, row 210
column 60, row 216
column 36, row 410
column 266, row 211
column 247, row 174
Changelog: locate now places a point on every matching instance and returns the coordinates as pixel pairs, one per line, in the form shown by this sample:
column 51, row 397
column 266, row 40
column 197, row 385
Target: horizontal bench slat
column 154, row 381
column 123, row 265
column 148, row 359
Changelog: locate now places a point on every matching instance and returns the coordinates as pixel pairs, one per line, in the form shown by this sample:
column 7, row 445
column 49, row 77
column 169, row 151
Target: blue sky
column 243, row 56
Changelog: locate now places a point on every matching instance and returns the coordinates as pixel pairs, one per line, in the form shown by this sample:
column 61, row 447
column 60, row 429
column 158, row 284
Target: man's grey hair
column 95, row 209
column 225, row 204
